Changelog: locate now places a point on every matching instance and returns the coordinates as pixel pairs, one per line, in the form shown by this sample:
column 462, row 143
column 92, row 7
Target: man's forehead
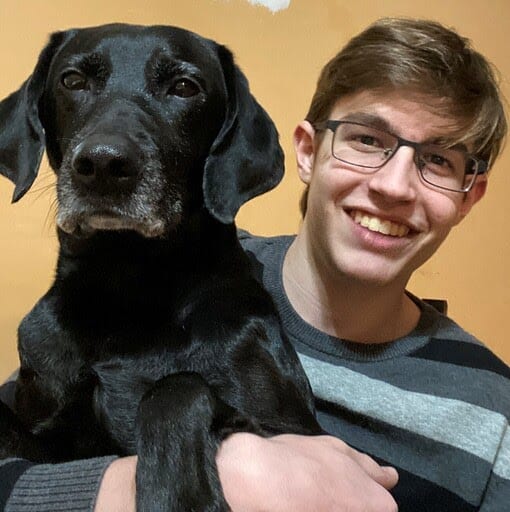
column 404, row 113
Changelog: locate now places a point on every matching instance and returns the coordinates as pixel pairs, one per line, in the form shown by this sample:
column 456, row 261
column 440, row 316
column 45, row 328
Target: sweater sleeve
column 70, row 486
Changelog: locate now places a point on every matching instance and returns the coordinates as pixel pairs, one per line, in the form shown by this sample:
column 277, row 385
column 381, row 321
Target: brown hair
column 427, row 58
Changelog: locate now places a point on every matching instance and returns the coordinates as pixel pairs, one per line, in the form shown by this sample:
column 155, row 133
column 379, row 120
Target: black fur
column 154, row 338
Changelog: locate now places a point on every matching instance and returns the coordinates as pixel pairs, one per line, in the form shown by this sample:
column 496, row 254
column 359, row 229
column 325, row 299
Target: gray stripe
column 490, row 390
column 446, row 329
column 458, row 424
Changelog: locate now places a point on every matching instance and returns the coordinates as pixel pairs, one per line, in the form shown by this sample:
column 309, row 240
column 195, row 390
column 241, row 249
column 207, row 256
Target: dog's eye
column 74, row 81
column 184, row 88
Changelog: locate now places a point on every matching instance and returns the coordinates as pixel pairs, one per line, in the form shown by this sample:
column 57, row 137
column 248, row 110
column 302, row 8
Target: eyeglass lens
column 370, row 148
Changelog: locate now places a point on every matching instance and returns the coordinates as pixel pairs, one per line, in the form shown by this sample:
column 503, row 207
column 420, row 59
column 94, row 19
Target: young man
column 395, row 149
column 404, row 125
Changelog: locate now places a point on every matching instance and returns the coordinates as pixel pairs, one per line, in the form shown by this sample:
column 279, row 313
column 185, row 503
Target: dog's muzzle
column 108, row 183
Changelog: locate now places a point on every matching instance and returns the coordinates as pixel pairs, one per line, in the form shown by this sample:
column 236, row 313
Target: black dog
column 154, row 338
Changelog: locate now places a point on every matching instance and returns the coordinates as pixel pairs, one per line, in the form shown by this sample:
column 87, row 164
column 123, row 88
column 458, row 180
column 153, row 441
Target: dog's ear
column 21, row 131
column 246, row 158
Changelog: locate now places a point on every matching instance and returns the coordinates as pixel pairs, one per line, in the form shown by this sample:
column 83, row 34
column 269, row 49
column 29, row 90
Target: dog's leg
column 180, row 425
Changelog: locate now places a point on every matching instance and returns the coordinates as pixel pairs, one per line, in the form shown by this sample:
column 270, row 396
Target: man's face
column 380, row 226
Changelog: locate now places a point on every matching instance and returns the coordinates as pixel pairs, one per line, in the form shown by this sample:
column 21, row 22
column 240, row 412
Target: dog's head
column 142, row 125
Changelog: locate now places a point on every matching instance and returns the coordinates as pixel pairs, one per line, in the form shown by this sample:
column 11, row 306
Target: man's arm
column 71, row 486
column 117, row 490
column 279, row 474
column 286, row 473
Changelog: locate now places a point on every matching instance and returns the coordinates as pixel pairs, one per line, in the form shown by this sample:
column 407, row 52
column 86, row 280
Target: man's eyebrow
column 373, row 120
column 448, row 143
column 380, row 123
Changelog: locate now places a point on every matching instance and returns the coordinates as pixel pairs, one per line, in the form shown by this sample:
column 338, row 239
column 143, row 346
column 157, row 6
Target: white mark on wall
column 272, row 5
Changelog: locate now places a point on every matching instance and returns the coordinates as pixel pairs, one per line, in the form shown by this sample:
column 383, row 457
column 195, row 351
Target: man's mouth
column 373, row 223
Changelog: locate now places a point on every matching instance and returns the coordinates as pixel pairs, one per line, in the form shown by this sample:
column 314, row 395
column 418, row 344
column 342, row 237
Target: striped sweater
column 434, row 404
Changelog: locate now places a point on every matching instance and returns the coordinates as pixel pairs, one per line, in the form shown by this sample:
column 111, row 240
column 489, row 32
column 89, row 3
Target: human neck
column 345, row 307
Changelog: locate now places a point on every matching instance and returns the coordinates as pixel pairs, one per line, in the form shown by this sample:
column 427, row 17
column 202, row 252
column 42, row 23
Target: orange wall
column 282, row 54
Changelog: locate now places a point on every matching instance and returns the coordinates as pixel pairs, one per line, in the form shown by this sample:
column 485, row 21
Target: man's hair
column 426, row 58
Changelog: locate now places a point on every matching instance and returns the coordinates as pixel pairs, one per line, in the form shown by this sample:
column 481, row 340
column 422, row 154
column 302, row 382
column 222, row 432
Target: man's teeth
column 386, row 227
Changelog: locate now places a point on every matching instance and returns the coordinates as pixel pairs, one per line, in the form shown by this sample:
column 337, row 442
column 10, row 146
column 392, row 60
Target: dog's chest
column 121, row 382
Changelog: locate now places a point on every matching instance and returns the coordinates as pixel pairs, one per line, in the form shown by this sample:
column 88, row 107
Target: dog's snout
column 103, row 160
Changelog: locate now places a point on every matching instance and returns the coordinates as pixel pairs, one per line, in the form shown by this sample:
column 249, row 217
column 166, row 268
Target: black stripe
column 462, row 354
column 400, row 448
column 415, row 494
column 9, row 474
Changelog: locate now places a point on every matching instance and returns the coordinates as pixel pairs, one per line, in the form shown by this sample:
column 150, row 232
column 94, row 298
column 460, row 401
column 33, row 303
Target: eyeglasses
column 369, row 148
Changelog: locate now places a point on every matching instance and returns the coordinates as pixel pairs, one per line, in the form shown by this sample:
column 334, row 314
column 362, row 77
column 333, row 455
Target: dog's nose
column 103, row 161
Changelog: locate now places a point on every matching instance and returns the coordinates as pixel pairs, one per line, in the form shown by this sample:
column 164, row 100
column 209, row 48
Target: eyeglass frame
column 333, row 124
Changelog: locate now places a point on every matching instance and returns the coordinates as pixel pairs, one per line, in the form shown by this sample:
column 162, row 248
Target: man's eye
column 368, row 140
column 184, row 88
column 436, row 160
column 74, row 81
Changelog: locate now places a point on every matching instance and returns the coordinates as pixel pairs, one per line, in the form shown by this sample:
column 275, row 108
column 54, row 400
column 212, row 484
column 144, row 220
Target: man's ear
column 304, row 148
column 473, row 196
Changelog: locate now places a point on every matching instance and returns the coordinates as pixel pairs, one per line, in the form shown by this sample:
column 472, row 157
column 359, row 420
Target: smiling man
column 395, row 150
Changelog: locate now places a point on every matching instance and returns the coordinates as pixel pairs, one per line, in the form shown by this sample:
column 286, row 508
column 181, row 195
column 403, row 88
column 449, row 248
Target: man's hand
column 290, row 473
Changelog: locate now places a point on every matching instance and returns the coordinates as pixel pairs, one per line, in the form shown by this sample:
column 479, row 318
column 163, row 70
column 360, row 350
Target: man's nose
column 398, row 178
